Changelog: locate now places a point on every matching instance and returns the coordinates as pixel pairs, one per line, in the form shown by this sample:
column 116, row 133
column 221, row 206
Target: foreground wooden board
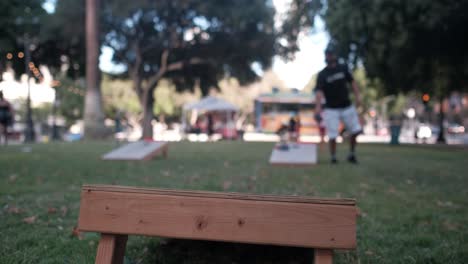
column 298, row 154
column 140, row 150
column 290, row 221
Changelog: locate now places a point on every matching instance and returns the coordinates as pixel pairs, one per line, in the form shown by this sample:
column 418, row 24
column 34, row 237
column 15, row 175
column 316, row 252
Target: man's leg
column 332, row 145
column 6, row 135
column 352, row 148
column 3, row 134
column 352, row 124
column 332, row 122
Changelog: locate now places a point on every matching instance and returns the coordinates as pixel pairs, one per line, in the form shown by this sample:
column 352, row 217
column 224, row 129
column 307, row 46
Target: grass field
column 413, row 200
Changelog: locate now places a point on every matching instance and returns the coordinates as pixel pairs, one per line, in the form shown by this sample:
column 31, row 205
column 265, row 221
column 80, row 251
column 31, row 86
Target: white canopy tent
column 211, row 103
column 207, row 104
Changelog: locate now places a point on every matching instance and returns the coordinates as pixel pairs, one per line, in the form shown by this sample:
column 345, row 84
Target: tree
column 64, row 40
column 93, row 115
column 191, row 43
column 407, row 45
column 19, row 24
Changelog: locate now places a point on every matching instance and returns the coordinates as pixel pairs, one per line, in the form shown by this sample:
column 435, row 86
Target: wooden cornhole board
column 140, row 150
column 118, row 211
column 298, row 154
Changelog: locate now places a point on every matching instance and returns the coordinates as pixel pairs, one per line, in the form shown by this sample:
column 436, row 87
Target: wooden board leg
column 111, row 249
column 323, row 256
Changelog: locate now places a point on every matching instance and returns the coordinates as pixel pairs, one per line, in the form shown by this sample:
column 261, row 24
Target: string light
column 20, row 55
column 9, row 56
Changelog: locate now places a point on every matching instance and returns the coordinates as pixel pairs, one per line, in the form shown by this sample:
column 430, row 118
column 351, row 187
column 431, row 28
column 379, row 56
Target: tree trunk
column 93, row 115
column 441, row 137
column 148, row 115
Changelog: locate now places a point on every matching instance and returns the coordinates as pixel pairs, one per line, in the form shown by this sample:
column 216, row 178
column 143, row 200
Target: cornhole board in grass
column 118, row 211
column 140, row 150
column 296, row 154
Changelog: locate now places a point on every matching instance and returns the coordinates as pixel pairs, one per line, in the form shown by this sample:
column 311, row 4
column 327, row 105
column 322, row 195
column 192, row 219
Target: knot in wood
column 201, row 222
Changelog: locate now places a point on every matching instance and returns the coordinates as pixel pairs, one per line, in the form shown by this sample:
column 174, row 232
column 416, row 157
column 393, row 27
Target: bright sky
column 296, row 74
column 309, row 59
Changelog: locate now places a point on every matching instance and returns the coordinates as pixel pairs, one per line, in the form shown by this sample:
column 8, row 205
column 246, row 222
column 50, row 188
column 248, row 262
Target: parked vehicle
column 454, row 128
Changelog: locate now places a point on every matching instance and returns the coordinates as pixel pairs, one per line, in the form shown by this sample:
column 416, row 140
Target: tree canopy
column 408, row 45
column 192, row 42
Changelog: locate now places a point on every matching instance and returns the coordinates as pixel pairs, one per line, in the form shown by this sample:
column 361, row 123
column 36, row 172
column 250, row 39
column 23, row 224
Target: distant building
column 275, row 108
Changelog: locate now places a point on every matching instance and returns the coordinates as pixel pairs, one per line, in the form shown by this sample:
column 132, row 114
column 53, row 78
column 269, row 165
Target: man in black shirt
column 332, row 84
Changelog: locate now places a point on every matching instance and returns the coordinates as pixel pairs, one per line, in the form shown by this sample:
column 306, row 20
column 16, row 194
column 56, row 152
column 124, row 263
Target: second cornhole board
column 297, row 154
column 140, row 150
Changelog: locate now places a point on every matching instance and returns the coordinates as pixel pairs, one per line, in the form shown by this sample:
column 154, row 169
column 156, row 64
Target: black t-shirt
column 333, row 82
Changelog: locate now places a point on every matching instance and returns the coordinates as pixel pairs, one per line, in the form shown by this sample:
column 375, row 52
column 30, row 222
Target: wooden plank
column 323, row 256
column 223, row 195
column 106, row 248
column 140, row 150
column 111, row 249
column 297, row 154
column 312, row 225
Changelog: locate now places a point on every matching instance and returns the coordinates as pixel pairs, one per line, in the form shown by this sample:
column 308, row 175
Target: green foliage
column 165, row 99
column 18, row 19
column 63, row 48
column 408, row 45
column 56, row 40
column 370, row 92
column 70, row 94
column 119, row 97
column 299, row 18
column 204, row 40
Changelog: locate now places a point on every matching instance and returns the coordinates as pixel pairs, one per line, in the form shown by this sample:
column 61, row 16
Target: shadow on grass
column 176, row 251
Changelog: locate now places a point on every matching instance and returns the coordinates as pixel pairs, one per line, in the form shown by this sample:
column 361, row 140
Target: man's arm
column 357, row 94
column 318, row 101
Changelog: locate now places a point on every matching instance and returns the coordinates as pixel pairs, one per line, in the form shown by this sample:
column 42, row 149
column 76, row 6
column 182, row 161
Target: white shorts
column 348, row 115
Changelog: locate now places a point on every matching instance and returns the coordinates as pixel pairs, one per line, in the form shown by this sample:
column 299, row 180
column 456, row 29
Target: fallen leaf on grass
column 251, row 187
column 226, row 185
column 14, row 210
column 64, row 210
column 360, row 213
column 369, row 253
column 76, row 233
column 146, row 179
column 12, row 178
column 445, row 204
column 364, row 185
column 166, row 173
column 391, row 189
column 450, row 226
column 39, row 180
column 51, row 210
column 30, row 220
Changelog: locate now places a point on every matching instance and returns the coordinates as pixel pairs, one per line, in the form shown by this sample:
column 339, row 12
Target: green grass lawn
column 413, row 200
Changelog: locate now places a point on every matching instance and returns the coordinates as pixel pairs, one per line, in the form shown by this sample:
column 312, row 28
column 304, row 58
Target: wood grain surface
column 291, row 221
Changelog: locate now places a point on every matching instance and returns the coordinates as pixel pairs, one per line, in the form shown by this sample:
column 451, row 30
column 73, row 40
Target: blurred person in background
column 6, row 117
